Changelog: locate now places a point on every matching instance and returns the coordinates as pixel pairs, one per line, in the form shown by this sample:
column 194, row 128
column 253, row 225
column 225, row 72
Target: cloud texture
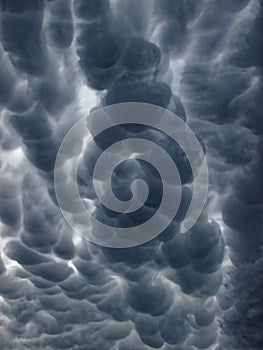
column 203, row 61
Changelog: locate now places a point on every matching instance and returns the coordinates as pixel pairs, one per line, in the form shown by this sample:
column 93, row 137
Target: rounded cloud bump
column 76, row 141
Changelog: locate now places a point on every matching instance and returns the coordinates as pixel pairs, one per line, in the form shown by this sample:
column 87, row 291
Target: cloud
column 201, row 60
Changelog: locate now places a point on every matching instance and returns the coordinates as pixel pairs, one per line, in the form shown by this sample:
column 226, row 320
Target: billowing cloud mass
column 200, row 59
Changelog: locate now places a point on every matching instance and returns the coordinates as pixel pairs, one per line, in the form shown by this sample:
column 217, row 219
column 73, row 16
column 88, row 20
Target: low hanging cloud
column 202, row 60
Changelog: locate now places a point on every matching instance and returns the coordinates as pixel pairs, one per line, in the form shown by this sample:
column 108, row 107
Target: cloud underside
column 201, row 60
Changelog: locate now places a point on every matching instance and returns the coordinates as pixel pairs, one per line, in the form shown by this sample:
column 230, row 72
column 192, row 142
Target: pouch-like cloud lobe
column 203, row 61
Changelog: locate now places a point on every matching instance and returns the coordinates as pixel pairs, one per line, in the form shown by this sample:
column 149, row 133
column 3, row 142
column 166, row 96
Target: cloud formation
column 202, row 60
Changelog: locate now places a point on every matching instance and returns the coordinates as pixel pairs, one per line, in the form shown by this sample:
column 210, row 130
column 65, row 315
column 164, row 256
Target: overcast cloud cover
column 202, row 60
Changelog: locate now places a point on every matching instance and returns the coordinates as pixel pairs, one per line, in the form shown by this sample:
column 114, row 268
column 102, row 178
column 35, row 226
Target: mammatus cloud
column 201, row 60
column 141, row 116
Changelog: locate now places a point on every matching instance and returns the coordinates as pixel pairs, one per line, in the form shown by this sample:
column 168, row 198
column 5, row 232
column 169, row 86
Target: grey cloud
column 59, row 60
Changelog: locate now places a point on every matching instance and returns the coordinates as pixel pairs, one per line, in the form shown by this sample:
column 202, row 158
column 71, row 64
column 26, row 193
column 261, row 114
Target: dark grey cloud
column 202, row 60
column 60, row 24
column 21, row 27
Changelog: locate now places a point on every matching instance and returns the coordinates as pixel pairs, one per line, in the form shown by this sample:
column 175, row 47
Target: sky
column 61, row 60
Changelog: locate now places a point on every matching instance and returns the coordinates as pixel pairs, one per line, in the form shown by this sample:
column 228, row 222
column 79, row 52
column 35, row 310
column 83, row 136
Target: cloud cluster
column 202, row 60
